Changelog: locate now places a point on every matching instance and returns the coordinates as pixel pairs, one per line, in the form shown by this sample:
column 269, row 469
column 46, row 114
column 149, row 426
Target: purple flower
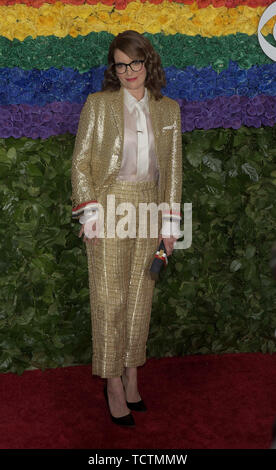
column 234, row 108
column 26, row 130
column 18, row 116
column 34, row 133
column 217, row 122
column 268, row 122
column 58, row 118
column 5, row 133
column 251, row 121
column 16, row 132
column 7, row 126
column 56, row 106
column 67, row 108
column 46, row 116
column 34, row 117
column 199, row 122
column 44, row 132
column 5, row 113
column 72, row 127
column 255, row 110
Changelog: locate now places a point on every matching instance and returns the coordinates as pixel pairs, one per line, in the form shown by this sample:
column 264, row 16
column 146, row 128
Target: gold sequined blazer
column 98, row 149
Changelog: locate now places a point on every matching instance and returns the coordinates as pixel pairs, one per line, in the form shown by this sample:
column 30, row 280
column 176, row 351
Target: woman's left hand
column 168, row 242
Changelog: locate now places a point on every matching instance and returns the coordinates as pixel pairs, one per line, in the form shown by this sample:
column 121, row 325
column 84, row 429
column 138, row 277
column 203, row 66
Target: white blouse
column 128, row 170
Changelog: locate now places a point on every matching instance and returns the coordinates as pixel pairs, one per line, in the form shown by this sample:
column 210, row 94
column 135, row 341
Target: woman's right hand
column 168, row 242
column 86, row 239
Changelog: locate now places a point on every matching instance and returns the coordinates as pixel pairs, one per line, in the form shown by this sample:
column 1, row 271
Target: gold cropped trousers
column 121, row 288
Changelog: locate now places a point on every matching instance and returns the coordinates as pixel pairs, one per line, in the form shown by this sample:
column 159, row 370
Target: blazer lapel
column 154, row 110
column 154, row 114
column 117, row 113
column 117, row 108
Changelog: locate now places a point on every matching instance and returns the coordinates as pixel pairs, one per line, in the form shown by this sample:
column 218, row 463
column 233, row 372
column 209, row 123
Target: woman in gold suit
column 128, row 146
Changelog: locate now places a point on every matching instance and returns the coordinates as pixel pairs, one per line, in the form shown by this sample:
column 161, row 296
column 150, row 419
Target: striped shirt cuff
column 171, row 215
column 78, row 211
column 171, row 228
column 89, row 216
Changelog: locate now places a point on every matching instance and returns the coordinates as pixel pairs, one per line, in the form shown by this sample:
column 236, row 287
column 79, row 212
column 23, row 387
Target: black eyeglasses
column 135, row 65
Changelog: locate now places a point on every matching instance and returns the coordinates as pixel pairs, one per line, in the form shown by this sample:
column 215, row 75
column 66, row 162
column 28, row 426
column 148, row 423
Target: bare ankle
column 114, row 383
column 130, row 372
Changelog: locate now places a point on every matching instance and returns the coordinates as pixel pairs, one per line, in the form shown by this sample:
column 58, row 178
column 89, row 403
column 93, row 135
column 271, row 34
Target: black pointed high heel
column 135, row 406
column 126, row 420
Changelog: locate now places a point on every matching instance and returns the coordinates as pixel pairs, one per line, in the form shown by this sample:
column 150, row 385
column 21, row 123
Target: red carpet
column 194, row 402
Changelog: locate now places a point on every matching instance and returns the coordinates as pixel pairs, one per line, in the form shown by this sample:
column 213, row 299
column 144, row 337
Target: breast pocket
column 166, row 140
column 168, row 128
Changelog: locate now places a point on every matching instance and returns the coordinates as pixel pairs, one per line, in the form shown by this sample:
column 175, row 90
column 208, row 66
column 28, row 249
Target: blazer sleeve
column 84, row 201
column 173, row 190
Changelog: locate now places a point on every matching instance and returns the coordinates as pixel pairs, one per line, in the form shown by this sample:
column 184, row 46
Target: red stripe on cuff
column 82, row 205
column 171, row 212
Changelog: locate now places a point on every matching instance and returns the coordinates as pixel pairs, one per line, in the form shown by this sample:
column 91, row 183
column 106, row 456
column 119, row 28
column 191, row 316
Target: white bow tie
column 142, row 137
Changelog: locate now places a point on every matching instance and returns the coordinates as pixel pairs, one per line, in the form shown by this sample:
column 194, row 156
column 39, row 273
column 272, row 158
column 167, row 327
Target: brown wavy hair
column 136, row 46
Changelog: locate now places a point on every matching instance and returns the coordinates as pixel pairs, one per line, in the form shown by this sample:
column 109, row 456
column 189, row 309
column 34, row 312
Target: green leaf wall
column 218, row 296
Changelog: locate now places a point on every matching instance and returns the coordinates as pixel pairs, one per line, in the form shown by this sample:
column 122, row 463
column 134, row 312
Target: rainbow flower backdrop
column 53, row 55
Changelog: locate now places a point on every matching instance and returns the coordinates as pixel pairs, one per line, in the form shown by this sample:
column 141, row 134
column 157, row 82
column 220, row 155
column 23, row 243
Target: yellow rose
column 103, row 17
column 211, row 13
column 46, row 21
column 60, row 32
column 99, row 26
column 116, row 17
column 47, row 9
column 132, row 8
column 85, row 30
column 154, row 28
column 73, row 32
column 125, row 19
column 80, row 30
column 7, row 31
column 114, row 29
column 82, row 11
column 78, row 24
column 9, row 15
column 162, row 19
column 196, row 21
column 248, row 29
column 91, row 21
column 188, row 27
column 233, row 14
column 24, row 30
column 141, row 17
column 173, row 28
column 171, row 10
